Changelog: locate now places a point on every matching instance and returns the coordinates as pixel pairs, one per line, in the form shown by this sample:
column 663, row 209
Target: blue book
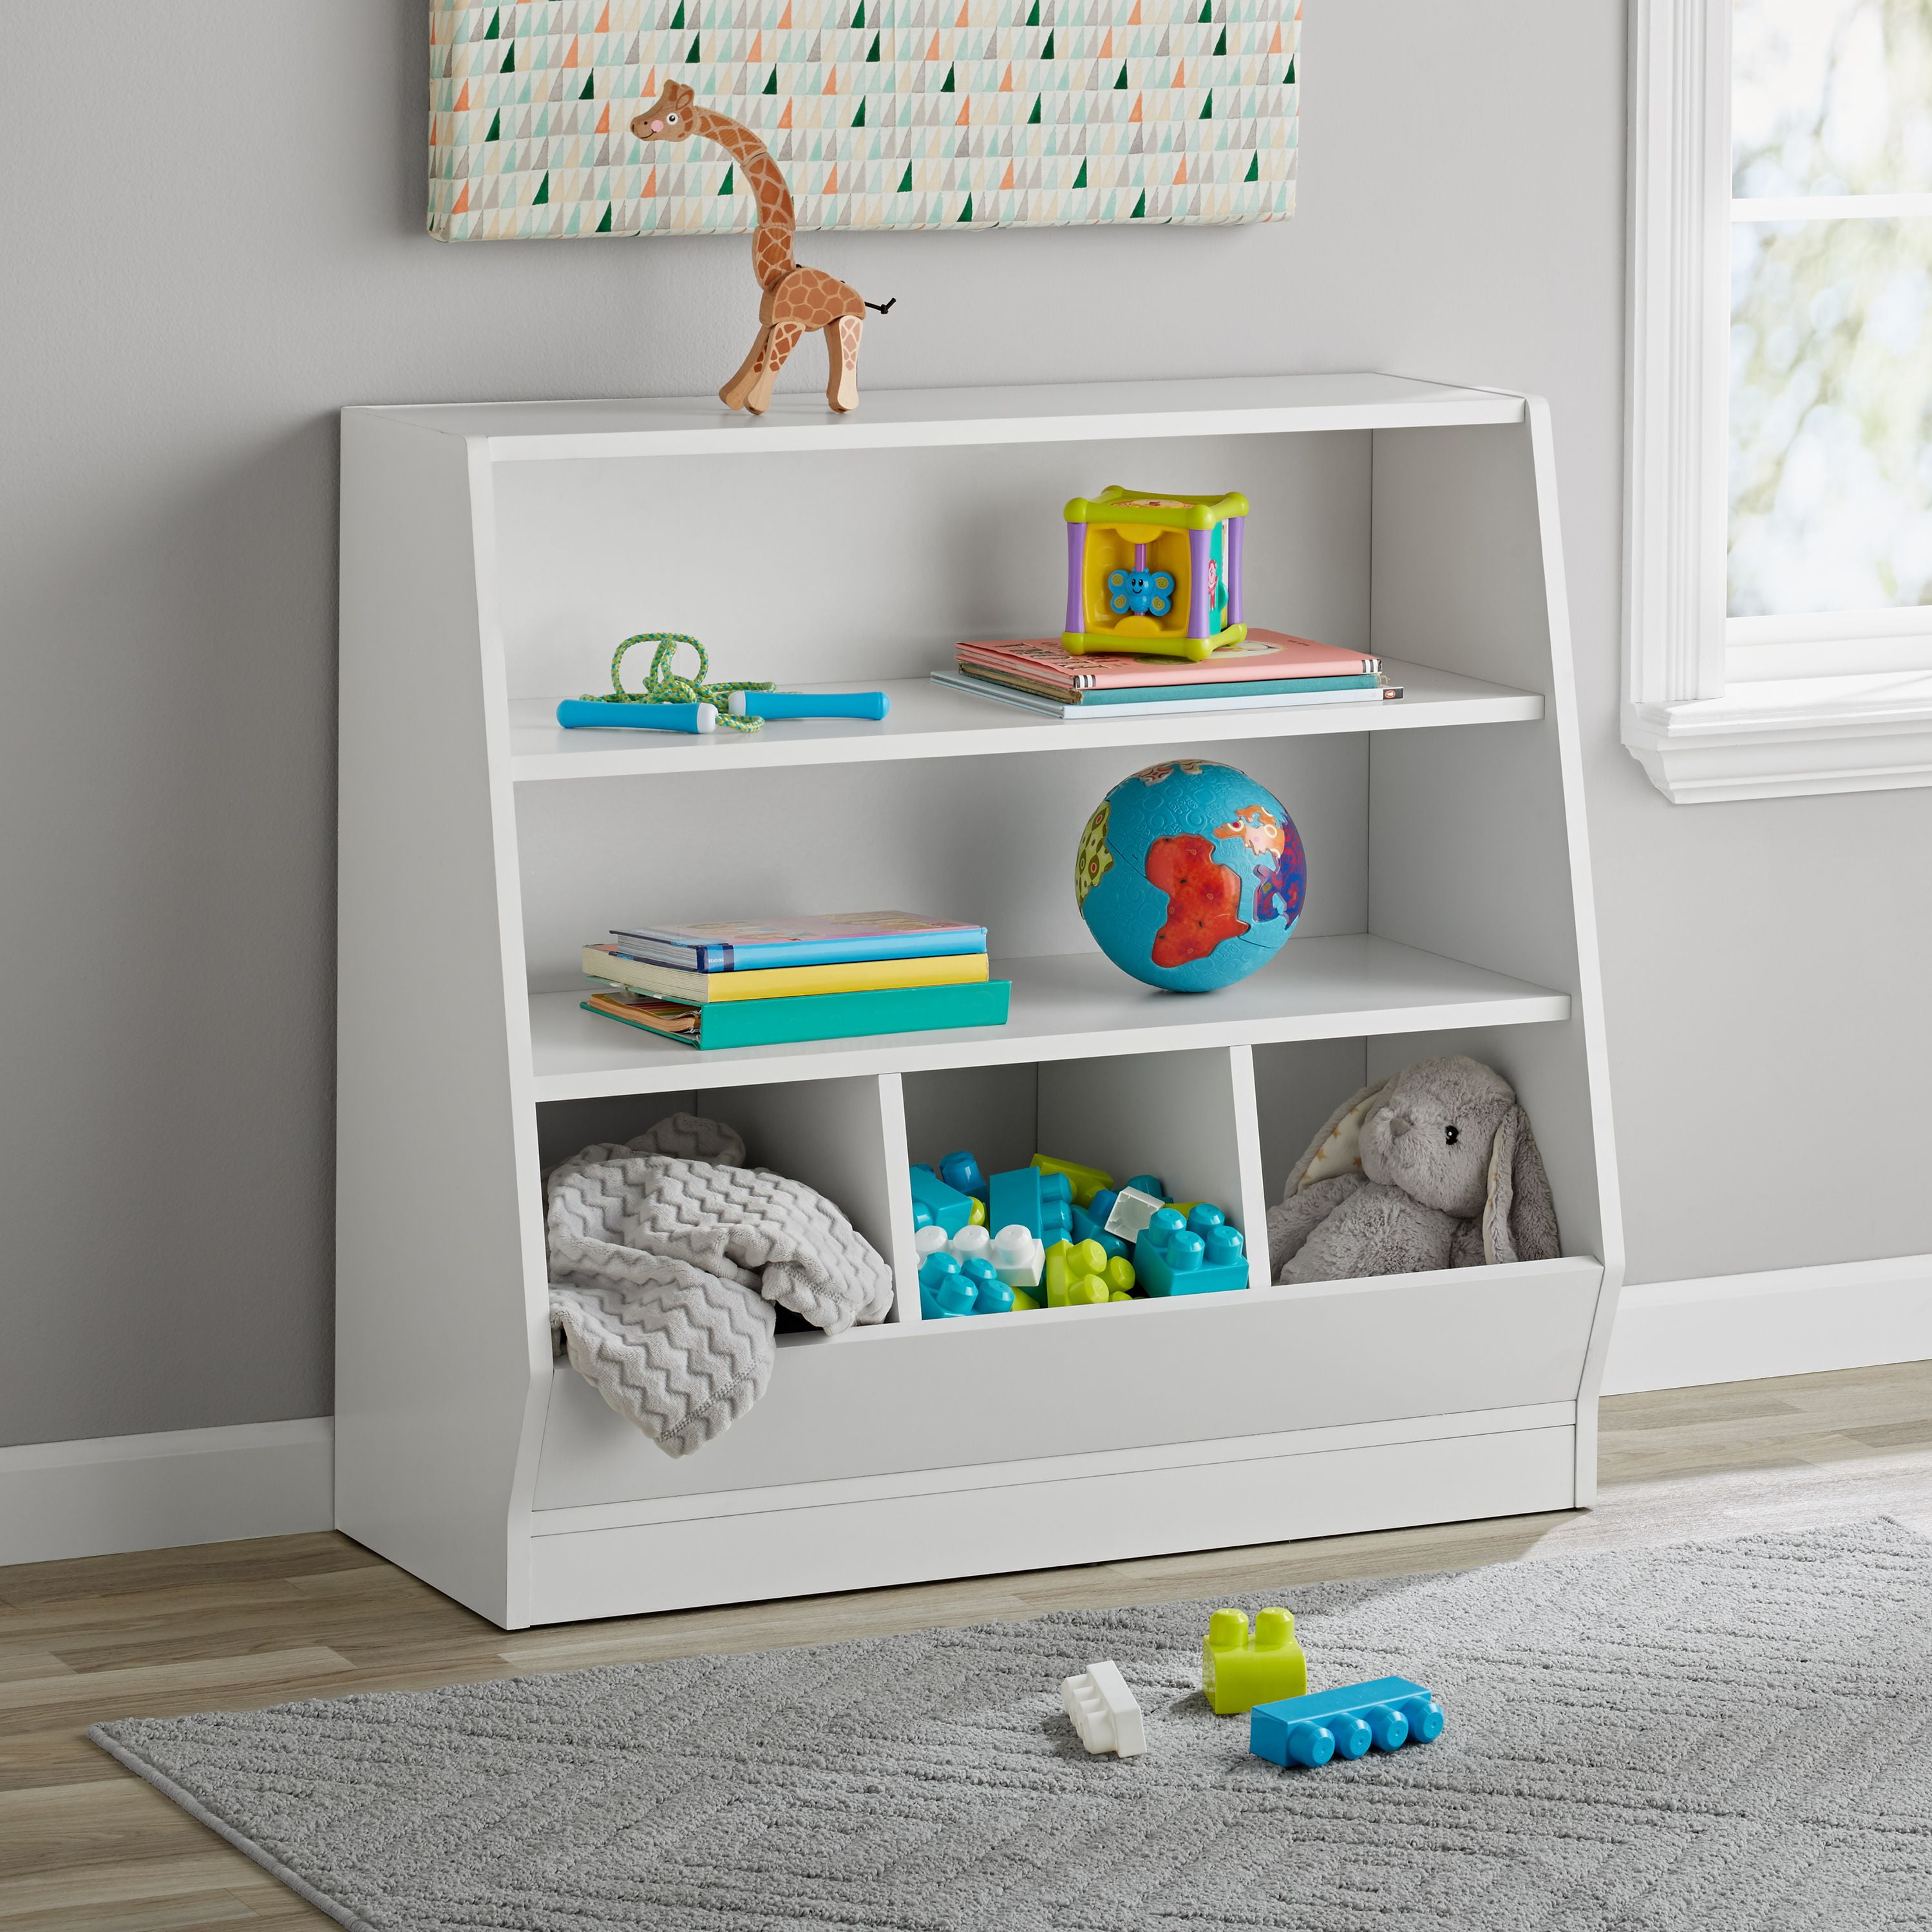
column 821, row 939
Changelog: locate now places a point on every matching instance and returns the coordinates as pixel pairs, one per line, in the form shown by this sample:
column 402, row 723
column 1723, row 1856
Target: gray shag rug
column 1717, row 1736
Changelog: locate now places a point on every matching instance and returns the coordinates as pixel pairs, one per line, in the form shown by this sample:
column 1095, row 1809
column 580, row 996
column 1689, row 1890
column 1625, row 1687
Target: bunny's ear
column 1519, row 1222
column 1337, row 1148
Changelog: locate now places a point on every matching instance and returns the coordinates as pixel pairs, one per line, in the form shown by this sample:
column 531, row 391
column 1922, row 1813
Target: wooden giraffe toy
column 795, row 299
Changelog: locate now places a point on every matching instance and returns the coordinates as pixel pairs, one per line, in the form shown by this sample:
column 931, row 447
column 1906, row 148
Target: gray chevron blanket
column 667, row 1255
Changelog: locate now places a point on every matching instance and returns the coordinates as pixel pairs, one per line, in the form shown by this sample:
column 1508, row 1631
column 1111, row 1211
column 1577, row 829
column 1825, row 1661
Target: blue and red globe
column 1190, row 875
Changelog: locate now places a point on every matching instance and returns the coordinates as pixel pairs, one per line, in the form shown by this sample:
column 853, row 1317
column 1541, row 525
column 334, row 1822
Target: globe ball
column 1190, row 875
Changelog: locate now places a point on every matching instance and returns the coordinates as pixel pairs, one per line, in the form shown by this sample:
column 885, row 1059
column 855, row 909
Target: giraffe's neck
column 771, row 247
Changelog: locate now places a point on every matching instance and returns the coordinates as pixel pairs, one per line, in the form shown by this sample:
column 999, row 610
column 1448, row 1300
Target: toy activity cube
column 1158, row 574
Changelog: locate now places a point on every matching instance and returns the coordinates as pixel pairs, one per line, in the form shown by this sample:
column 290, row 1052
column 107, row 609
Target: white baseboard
column 1791, row 1321
column 119, row 1492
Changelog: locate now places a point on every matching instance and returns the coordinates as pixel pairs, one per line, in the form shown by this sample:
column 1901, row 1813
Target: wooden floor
column 85, row 1847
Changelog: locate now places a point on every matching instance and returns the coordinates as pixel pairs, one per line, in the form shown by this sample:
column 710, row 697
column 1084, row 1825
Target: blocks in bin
column 1241, row 1668
column 960, row 1171
column 1090, row 1222
column 1042, row 1203
column 1086, row 1182
column 1104, row 1712
column 945, row 1207
column 1081, row 1274
column 949, row 1286
column 1386, row 1712
column 1131, row 1210
column 1200, row 1255
column 1018, row 1257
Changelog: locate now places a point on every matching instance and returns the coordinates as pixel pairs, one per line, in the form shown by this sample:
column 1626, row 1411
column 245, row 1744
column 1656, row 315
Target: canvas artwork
column 881, row 113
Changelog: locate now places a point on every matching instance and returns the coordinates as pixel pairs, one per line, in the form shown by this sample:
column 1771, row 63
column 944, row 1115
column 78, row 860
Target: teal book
column 811, row 1015
column 1279, row 687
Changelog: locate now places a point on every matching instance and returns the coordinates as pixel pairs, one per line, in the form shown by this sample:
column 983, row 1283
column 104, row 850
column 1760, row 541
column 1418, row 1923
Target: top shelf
column 933, row 418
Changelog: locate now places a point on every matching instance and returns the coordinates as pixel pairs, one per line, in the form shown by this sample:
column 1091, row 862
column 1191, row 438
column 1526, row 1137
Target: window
column 1779, row 600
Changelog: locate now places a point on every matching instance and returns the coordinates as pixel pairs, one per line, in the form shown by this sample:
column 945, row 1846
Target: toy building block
column 1024, row 1302
column 1018, row 1256
column 1080, row 1273
column 1386, row 1712
column 972, row 1242
column 976, row 1215
column 961, row 1170
column 1239, row 1669
column 946, row 1207
column 944, row 1290
column 1175, row 1257
column 1131, row 1211
column 1041, row 1203
column 1148, row 1183
column 1090, row 1222
column 1086, row 1182
column 929, row 1239
column 922, row 1217
column 1104, row 1710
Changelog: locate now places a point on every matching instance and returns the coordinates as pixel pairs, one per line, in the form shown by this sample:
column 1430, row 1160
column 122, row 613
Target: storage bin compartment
column 980, row 1391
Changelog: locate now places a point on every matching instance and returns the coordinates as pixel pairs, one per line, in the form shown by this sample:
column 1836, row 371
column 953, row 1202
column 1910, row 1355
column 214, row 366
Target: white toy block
column 1018, row 1255
column 928, row 1240
column 1131, row 1211
column 1104, row 1712
column 970, row 1243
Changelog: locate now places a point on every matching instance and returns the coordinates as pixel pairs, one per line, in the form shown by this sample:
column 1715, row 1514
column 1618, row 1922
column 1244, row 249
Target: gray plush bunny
column 1434, row 1168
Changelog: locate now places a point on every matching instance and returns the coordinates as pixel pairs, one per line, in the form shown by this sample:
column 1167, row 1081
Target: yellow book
column 780, row 983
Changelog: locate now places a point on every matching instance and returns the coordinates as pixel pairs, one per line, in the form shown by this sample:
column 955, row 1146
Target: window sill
column 1788, row 738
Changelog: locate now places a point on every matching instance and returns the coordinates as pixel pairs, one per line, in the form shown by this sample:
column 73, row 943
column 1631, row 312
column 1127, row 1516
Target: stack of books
column 759, row 982
column 1267, row 670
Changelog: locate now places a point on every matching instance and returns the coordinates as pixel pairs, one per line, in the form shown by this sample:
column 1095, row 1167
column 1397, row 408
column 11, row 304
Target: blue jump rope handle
column 575, row 712
column 873, row 704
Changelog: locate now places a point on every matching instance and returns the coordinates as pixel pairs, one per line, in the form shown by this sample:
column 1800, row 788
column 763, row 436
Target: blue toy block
column 945, row 1207
column 1090, row 1223
column 1042, row 1203
column 1386, row 1712
column 1150, row 1184
column 1200, row 1255
column 949, row 1287
column 962, row 1172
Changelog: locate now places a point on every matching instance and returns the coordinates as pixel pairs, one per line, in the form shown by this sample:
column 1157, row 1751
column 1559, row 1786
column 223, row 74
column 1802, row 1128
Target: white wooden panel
column 992, row 842
column 1298, row 1084
column 1039, row 1524
column 1071, row 1006
column 1066, row 1381
column 830, row 1134
column 441, row 1350
column 928, row 720
column 1171, row 1114
column 900, row 553
column 912, row 418
column 901, row 1256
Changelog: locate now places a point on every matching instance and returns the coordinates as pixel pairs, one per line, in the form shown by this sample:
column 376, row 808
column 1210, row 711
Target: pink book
column 1260, row 656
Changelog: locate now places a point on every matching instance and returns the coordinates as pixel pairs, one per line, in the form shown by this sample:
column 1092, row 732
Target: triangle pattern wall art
column 882, row 113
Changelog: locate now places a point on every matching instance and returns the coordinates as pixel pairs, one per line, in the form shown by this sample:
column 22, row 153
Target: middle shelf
column 1069, row 1006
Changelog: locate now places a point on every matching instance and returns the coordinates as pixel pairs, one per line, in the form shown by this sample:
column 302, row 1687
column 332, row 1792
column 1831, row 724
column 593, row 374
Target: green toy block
column 1239, row 1670
column 1080, row 1273
column 1086, row 1182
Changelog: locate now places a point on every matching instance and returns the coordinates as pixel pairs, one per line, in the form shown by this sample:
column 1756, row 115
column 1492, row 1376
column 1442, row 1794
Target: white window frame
column 1718, row 708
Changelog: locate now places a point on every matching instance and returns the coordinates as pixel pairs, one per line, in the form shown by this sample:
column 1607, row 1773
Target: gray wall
column 207, row 256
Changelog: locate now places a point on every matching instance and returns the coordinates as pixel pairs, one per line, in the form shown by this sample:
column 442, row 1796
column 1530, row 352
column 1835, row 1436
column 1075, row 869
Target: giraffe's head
column 668, row 118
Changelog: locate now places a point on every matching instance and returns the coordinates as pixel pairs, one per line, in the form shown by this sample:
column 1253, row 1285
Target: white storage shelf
column 931, row 720
column 491, row 555
column 1072, row 1006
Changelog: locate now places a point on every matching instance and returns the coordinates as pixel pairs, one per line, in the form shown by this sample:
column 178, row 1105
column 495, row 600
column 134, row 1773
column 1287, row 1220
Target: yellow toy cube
column 1240, row 1670
column 1158, row 574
